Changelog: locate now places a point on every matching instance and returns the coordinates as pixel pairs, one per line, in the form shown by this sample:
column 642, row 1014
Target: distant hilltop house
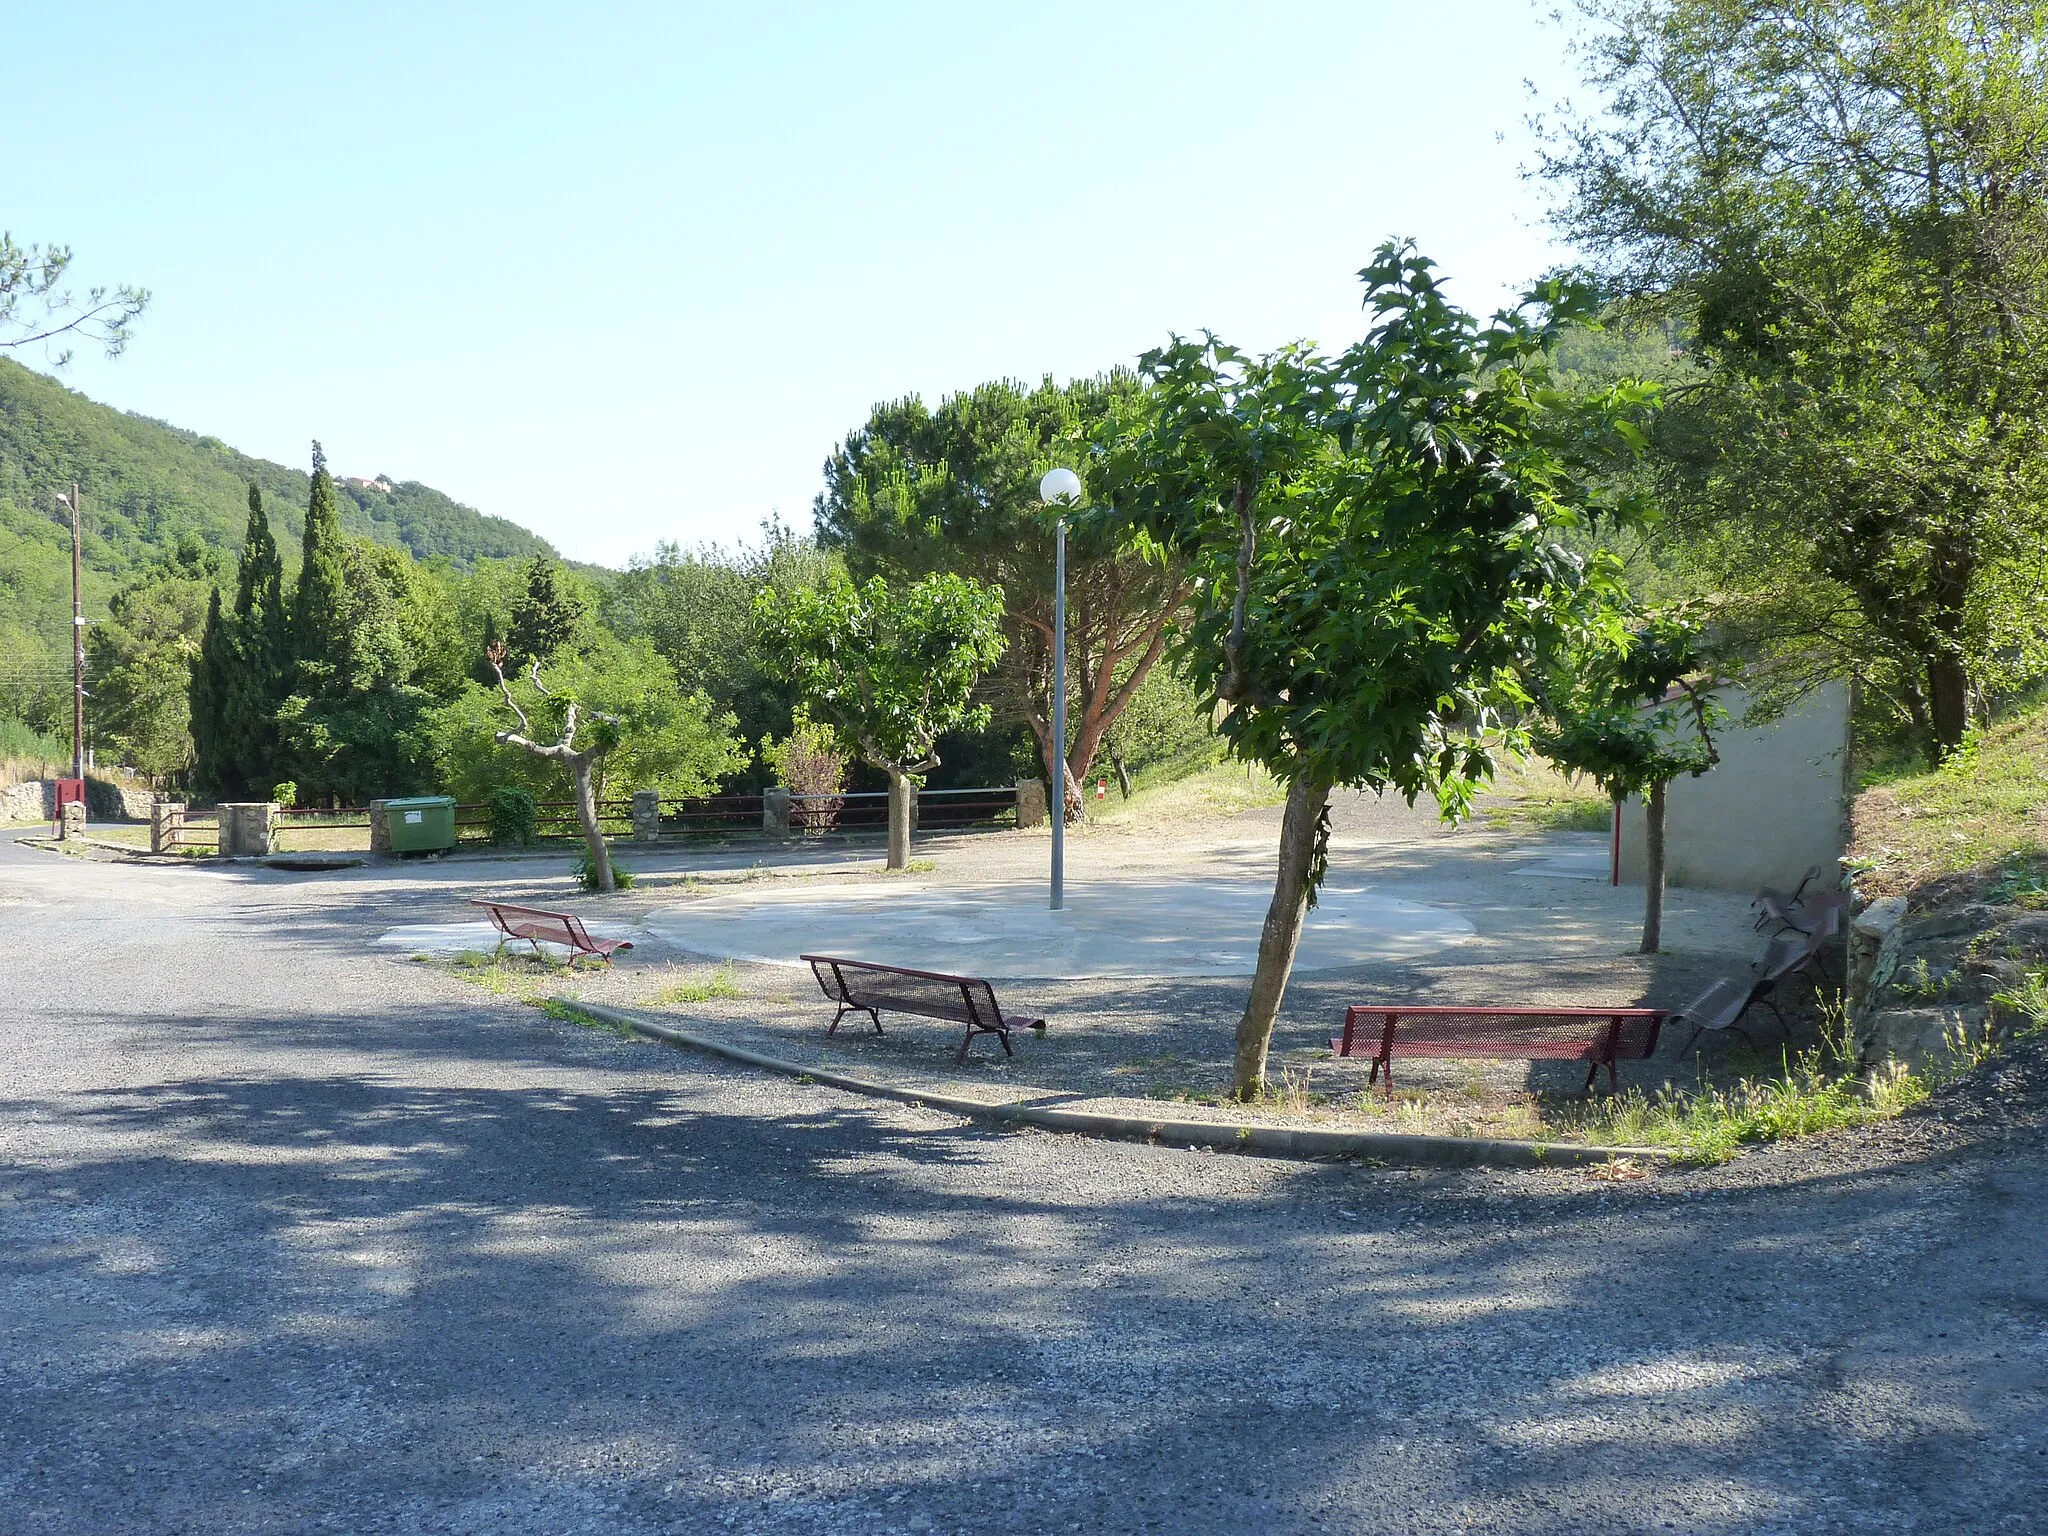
column 377, row 484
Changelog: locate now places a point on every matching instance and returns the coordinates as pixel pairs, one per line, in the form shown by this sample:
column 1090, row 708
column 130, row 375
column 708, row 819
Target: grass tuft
column 718, row 984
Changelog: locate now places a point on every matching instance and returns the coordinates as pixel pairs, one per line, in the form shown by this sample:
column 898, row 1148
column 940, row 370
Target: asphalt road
column 295, row 1236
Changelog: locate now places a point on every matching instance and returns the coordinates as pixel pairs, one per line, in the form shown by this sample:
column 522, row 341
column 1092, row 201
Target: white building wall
column 1775, row 805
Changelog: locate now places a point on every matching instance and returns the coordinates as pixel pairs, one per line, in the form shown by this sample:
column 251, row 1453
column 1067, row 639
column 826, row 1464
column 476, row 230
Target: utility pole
column 77, row 647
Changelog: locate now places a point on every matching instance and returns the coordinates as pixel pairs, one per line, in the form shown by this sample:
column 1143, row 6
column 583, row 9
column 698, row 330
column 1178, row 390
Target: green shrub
column 586, row 873
column 513, row 815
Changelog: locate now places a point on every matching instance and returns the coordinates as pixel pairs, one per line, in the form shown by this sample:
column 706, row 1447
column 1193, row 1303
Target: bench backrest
column 1505, row 1029
column 863, row 984
column 536, row 923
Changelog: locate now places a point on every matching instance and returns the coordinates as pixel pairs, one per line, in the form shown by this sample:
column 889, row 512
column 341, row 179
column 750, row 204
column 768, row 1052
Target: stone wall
column 1917, row 979
column 105, row 800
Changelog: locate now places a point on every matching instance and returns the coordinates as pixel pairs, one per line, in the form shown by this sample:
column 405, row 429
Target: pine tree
column 546, row 618
column 318, row 604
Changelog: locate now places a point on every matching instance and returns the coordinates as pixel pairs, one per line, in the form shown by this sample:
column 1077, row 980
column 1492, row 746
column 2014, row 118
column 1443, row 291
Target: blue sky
column 627, row 273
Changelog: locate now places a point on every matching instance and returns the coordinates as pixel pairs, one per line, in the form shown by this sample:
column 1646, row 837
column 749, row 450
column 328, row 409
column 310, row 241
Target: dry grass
column 1223, row 789
column 1533, row 794
column 1986, row 808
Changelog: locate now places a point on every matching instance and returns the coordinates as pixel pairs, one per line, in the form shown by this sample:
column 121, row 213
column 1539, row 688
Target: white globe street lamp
column 1061, row 487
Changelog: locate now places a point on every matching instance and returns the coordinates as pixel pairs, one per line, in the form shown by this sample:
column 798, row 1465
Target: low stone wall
column 105, row 800
column 1917, row 979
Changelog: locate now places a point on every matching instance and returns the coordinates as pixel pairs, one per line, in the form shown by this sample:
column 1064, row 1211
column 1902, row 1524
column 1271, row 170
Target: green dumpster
column 422, row 824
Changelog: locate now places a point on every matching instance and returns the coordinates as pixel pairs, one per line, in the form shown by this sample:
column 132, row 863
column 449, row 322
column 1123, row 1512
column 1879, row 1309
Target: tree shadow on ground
column 257, row 1302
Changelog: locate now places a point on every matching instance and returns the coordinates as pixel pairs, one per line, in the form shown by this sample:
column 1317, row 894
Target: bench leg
column 960, row 1058
column 845, row 1009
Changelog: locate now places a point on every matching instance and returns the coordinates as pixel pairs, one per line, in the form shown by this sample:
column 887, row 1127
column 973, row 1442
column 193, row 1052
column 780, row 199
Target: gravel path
column 295, row 1236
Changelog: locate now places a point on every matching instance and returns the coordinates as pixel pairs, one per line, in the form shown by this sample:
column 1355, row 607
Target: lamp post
column 77, row 643
column 1060, row 488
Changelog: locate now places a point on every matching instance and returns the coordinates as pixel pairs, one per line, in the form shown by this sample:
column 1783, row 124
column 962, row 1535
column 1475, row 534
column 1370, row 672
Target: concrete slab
column 1111, row 927
column 446, row 940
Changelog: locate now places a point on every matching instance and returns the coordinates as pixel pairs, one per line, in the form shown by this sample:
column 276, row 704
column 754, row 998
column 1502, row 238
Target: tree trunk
column 1123, row 774
column 1280, row 936
column 899, row 819
column 1948, row 700
column 593, row 834
column 1653, row 870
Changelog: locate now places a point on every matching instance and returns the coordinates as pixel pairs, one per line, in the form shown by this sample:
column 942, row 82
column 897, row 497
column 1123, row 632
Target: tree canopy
column 1841, row 207
column 1380, row 548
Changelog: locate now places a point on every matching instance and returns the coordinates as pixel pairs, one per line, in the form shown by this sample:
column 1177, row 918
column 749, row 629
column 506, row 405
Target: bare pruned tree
column 581, row 762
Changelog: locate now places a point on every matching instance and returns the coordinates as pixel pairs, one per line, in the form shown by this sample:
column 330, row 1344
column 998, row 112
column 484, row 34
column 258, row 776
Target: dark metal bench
column 858, row 986
column 537, row 926
column 1598, row 1036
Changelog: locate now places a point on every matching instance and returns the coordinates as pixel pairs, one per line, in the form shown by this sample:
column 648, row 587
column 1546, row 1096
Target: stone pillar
column 380, row 829
column 646, row 815
column 73, row 824
column 1030, row 803
column 775, row 812
column 248, row 829
column 166, row 823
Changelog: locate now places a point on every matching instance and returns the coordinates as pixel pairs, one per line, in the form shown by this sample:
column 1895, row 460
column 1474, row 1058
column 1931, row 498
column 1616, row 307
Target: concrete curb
column 1264, row 1140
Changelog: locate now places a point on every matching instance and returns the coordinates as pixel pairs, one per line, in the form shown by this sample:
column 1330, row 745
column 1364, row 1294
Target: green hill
column 146, row 484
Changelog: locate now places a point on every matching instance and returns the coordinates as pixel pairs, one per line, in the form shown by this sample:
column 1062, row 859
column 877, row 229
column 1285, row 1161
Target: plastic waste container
column 422, row 824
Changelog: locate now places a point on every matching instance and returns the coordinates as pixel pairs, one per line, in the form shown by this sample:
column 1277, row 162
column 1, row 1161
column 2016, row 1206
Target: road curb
column 1221, row 1136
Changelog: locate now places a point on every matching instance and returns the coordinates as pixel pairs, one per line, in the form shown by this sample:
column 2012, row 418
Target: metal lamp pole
column 1059, row 488
column 77, row 645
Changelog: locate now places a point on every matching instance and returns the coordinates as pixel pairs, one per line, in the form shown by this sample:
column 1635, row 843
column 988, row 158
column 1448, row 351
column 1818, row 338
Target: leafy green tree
column 1379, row 547
column 889, row 671
column 1841, row 206
column 546, row 618
column 918, row 490
column 350, row 725
column 141, row 658
column 606, row 711
column 1632, row 718
column 696, row 608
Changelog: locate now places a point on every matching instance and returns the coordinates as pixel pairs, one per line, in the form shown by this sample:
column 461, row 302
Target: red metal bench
column 1597, row 1036
column 858, row 986
column 538, row 926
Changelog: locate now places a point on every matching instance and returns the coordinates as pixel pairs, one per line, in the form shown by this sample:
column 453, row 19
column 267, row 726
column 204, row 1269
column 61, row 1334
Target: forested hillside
column 146, row 484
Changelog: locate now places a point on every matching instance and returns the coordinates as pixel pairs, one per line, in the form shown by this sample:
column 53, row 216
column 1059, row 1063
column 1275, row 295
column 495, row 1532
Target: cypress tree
column 211, row 753
column 317, row 606
column 243, row 670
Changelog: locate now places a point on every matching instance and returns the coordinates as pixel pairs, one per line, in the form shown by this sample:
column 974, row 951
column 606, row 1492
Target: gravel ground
column 299, row 1237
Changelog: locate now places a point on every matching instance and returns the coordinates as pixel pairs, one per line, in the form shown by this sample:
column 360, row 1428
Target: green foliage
column 140, row 662
column 547, row 618
column 889, row 671
column 320, row 627
column 658, row 738
column 514, row 816
column 1856, row 465
column 1608, row 715
column 148, row 485
column 697, row 609
column 243, row 670
column 285, row 793
column 811, row 760
column 21, row 743
column 1378, row 538
column 589, row 879
column 36, row 307
column 919, row 490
